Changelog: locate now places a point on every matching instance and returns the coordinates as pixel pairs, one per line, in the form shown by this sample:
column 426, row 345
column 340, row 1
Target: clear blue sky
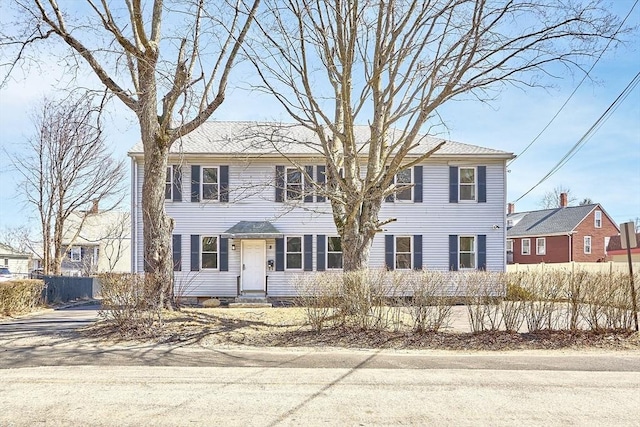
column 606, row 169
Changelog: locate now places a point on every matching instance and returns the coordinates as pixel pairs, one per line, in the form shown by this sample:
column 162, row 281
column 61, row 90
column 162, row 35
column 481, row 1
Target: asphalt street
column 49, row 377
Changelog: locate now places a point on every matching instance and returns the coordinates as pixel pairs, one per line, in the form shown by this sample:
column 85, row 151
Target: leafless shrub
column 514, row 302
column 483, row 291
column 318, row 294
column 433, row 296
column 546, row 288
column 130, row 301
column 20, row 296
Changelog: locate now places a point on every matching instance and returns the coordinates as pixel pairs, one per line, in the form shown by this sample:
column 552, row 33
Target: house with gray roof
column 564, row 234
column 250, row 218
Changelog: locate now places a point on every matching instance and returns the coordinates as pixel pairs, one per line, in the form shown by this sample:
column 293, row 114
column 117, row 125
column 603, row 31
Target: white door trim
column 253, row 259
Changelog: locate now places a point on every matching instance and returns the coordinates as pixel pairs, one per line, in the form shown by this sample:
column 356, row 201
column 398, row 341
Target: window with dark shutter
column 388, row 251
column 417, row 252
column 308, row 252
column 453, row 184
column 308, row 186
column 321, row 252
column 177, row 183
column 195, row 252
column 224, row 184
column 279, row 183
column 224, row 254
column 417, row 184
column 321, row 179
column 453, row 252
column 176, row 252
column 280, row 254
column 195, row 183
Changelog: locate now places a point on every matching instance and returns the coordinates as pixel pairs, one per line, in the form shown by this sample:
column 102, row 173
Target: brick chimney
column 511, row 208
column 563, row 200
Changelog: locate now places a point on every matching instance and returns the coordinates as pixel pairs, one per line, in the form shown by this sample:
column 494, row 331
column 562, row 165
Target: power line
column 578, row 145
column 576, row 88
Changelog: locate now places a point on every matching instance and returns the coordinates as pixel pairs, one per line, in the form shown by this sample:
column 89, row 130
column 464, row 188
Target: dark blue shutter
column 195, row 252
column 308, row 184
column 280, row 254
column 224, row 184
column 308, row 252
column 453, row 184
column 176, row 252
column 322, row 244
column 279, row 183
column 195, row 183
column 417, row 252
column 224, row 254
column 177, row 183
column 391, row 197
column 417, row 184
column 388, row 252
column 322, row 179
column 482, row 252
column 482, row 184
column 453, row 252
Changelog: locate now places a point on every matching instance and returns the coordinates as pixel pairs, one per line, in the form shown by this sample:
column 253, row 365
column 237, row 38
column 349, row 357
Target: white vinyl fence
column 592, row 267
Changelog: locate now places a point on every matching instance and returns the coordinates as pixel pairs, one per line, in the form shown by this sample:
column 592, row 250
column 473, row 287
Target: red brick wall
column 557, row 251
column 587, row 228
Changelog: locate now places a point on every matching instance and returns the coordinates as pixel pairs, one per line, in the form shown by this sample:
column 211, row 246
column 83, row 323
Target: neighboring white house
column 17, row 262
column 102, row 243
column 241, row 226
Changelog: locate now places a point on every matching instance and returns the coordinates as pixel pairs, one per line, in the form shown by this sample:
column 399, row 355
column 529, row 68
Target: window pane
column 403, row 261
column 334, row 260
column 294, row 260
column 467, row 260
column 404, row 177
column 168, row 176
column 403, row 244
column 167, row 191
column 209, row 244
column 210, row 175
column 209, row 260
column 334, row 244
column 294, row 244
column 467, row 192
column 210, row 191
column 466, row 244
column 293, row 176
column 467, row 176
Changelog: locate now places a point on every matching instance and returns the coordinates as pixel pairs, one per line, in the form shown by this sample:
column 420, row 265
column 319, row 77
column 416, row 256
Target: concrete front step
column 250, row 305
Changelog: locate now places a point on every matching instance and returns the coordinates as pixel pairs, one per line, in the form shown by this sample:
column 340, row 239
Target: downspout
column 134, row 210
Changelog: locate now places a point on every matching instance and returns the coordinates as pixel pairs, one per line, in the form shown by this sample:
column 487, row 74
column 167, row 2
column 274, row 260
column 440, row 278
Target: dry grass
column 288, row 327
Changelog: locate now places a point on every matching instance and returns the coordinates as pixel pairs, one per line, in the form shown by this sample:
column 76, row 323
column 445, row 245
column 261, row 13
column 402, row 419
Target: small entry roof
column 253, row 230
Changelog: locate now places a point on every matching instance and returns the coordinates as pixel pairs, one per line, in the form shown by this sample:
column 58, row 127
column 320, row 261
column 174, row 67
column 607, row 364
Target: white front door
column 254, row 267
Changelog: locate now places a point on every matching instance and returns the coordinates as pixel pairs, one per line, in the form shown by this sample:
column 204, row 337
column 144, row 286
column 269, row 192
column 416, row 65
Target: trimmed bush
column 20, row 296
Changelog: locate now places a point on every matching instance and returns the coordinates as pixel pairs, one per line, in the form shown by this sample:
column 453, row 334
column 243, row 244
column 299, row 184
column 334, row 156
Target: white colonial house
column 246, row 225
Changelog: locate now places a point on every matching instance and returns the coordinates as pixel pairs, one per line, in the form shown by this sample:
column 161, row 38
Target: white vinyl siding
column 251, row 198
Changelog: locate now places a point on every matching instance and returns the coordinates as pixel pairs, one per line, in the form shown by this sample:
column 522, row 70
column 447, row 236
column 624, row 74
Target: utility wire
column 578, row 145
column 577, row 87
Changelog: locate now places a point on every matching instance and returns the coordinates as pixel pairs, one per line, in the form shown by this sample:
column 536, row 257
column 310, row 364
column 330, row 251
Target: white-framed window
column 209, row 252
column 293, row 184
column 597, row 219
column 467, row 252
column 6, row 262
column 587, row 244
column 168, row 184
column 541, row 246
column 75, row 254
column 403, row 253
column 509, row 245
column 293, row 253
column 525, row 247
column 403, row 180
column 334, row 252
column 467, row 183
column 209, row 183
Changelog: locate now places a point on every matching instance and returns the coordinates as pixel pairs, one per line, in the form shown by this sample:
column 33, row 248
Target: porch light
column 233, row 247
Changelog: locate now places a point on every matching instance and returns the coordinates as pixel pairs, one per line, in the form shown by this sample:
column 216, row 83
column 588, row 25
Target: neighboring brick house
column 617, row 254
column 564, row 234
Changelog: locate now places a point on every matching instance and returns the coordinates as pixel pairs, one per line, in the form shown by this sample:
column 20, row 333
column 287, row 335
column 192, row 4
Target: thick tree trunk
column 157, row 226
column 359, row 227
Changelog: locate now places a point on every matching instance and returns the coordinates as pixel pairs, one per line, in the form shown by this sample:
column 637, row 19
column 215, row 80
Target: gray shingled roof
column 549, row 221
column 253, row 230
column 257, row 138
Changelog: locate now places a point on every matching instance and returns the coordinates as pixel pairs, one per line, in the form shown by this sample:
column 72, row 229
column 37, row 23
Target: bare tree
column 116, row 238
column 551, row 199
column 168, row 63
column 17, row 237
column 391, row 64
column 66, row 169
column 586, row 201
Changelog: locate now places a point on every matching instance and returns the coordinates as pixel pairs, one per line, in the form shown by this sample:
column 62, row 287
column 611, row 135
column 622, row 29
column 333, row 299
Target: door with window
column 253, row 266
